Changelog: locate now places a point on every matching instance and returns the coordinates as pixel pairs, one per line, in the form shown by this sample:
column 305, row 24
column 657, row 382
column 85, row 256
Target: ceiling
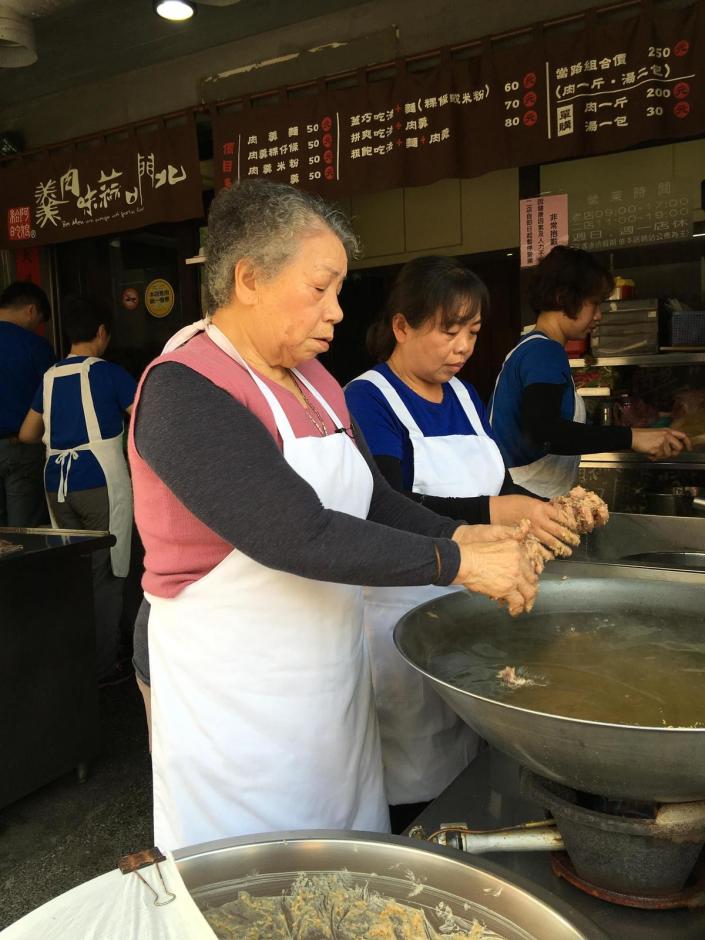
column 82, row 41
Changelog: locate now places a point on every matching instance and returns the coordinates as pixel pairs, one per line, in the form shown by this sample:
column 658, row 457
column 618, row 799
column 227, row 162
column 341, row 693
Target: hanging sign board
column 543, row 224
column 603, row 88
column 109, row 187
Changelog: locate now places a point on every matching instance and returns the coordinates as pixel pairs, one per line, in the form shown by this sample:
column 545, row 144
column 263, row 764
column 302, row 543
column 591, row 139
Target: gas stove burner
column 691, row 896
column 625, row 849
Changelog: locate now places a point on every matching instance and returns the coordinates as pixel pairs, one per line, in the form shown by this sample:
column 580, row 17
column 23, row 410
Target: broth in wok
column 629, row 663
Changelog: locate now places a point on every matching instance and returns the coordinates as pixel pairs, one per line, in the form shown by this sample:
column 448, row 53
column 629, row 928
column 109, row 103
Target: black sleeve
column 226, row 468
column 474, row 510
column 510, row 488
column 541, row 416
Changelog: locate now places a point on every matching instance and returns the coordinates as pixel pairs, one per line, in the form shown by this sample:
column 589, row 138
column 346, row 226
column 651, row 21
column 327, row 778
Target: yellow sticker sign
column 159, row 298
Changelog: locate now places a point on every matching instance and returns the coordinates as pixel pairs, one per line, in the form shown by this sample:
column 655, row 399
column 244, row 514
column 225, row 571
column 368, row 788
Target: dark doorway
column 366, row 290
column 119, row 269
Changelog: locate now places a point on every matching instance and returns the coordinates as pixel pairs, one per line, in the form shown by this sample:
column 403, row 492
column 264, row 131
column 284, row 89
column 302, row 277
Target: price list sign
column 416, row 129
column 603, row 88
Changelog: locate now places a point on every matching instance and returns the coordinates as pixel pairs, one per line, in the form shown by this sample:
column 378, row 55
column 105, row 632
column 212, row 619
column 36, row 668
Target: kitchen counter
column 48, row 687
column 630, row 533
column 487, row 795
column 37, row 542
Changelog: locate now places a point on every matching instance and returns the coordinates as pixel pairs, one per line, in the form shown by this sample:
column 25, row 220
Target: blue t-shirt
column 113, row 390
column 24, row 358
column 537, row 361
column 386, row 436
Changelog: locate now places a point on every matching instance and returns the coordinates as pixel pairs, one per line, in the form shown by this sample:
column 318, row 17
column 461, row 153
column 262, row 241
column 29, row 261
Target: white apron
column 107, row 451
column 262, row 703
column 424, row 744
column 554, row 474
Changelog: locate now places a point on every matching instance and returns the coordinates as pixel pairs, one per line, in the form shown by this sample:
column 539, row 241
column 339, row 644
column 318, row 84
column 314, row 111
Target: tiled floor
column 68, row 832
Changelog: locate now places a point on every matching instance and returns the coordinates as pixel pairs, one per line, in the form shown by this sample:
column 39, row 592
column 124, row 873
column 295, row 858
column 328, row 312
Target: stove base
column 691, row 896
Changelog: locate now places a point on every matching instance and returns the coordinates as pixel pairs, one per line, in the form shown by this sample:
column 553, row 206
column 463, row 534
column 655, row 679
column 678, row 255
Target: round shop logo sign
column 159, row 298
column 130, row 298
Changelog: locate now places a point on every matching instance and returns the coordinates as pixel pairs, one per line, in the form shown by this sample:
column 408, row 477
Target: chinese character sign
column 543, row 225
column 595, row 90
column 146, row 178
column 641, row 213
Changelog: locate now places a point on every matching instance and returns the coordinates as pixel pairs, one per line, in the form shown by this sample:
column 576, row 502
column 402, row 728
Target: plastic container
column 576, row 348
column 688, row 328
column 624, row 288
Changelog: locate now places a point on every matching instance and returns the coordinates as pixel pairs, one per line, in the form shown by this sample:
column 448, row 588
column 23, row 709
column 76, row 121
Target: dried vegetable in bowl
column 596, row 377
column 336, row 907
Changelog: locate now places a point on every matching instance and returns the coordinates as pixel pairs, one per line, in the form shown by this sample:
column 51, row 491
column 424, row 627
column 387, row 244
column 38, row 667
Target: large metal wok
column 620, row 761
column 414, row 873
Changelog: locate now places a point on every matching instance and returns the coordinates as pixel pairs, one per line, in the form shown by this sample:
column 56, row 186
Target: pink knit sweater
column 179, row 548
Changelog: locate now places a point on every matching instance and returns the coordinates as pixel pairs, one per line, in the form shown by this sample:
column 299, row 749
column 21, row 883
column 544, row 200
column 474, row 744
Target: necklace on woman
column 310, row 410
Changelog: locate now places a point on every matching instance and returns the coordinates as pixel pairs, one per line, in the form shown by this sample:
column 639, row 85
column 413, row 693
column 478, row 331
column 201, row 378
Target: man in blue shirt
column 79, row 409
column 24, row 358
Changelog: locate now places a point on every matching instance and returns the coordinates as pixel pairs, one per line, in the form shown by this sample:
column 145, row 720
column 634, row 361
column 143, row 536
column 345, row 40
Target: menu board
column 602, row 88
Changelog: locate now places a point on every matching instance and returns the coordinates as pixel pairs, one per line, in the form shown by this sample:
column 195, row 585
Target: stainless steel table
column 487, row 795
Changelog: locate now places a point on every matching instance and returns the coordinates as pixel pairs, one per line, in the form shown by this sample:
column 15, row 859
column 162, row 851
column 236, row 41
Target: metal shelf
column 689, row 461
column 654, row 359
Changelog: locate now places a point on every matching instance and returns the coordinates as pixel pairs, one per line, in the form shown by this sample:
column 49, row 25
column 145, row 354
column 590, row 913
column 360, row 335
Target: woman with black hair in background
column 537, row 417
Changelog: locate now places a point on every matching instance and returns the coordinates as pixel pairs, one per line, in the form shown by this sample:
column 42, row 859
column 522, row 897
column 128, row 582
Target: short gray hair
column 264, row 221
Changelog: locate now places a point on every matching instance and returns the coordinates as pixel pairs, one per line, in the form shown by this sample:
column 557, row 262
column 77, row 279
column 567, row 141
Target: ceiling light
column 699, row 229
column 177, row 10
column 17, row 44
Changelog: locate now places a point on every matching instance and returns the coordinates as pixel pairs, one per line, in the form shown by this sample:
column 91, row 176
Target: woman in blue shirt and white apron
column 537, row 417
column 430, row 437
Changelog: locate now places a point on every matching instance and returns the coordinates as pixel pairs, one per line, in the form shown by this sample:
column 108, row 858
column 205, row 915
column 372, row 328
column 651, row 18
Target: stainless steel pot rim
column 452, row 856
column 561, row 570
column 530, row 711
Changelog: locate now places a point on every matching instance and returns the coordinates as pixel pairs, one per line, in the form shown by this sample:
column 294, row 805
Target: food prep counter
column 48, row 689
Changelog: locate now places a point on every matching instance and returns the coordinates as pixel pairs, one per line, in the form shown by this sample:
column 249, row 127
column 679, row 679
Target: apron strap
column 506, row 360
column 65, row 458
column 186, row 333
column 321, row 400
column 92, row 425
column 280, row 419
column 468, row 406
column 394, row 400
column 222, row 342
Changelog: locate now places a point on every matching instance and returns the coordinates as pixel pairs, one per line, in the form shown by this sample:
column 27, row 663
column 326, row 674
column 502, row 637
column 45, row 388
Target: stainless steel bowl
column 621, row 761
column 414, row 872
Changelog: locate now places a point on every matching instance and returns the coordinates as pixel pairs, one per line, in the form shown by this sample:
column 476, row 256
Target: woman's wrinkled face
column 298, row 309
column 434, row 352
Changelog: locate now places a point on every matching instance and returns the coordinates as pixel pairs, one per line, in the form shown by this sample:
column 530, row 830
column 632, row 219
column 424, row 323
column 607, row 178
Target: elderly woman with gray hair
column 262, row 513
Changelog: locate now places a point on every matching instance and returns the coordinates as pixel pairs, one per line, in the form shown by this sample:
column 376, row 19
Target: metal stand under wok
column 636, row 854
column 490, row 796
